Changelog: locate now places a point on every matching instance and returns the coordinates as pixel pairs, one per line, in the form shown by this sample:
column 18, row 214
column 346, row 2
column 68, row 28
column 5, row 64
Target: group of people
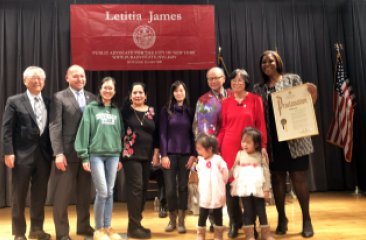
column 230, row 140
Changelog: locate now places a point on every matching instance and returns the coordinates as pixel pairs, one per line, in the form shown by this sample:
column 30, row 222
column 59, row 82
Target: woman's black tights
column 300, row 185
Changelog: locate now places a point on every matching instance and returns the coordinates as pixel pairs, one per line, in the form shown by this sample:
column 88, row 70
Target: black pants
column 37, row 174
column 254, row 206
column 77, row 179
column 215, row 213
column 137, row 179
column 178, row 171
column 233, row 208
column 158, row 175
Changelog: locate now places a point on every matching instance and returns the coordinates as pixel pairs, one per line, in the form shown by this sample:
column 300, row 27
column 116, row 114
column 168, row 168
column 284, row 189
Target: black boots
column 233, row 231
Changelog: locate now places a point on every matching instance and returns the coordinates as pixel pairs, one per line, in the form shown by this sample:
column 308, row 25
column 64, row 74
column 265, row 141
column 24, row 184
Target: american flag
column 341, row 130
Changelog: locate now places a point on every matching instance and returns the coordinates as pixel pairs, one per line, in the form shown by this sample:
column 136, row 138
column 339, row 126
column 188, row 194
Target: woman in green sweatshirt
column 98, row 144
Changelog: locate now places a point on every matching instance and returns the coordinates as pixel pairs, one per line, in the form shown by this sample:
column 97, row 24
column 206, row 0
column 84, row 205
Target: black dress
column 282, row 160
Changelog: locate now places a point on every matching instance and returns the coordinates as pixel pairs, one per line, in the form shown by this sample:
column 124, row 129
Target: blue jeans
column 103, row 172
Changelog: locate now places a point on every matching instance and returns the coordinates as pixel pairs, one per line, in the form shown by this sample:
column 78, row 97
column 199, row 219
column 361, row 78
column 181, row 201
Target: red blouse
column 236, row 117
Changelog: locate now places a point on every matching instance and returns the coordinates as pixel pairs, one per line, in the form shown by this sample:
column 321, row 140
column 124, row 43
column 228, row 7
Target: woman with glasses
column 242, row 109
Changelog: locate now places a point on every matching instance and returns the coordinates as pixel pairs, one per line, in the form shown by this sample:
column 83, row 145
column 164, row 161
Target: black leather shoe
column 89, row 232
column 282, row 227
column 307, row 230
column 20, row 237
column 138, row 233
column 163, row 212
column 146, row 229
column 233, row 232
column 64, row 238
column 40, row 235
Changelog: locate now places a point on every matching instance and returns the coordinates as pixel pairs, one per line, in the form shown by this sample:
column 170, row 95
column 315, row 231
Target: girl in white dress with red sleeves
column 213, row 175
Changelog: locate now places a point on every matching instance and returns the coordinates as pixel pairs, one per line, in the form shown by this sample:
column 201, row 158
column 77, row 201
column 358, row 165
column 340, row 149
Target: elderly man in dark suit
column 66, row 112
column 28, row 153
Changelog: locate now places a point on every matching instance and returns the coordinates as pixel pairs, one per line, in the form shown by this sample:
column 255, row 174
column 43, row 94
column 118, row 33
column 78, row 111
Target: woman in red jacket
column 243, row 109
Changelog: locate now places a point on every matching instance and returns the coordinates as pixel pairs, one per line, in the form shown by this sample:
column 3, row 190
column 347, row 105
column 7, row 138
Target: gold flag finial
column 220, row 60
column 338, row 47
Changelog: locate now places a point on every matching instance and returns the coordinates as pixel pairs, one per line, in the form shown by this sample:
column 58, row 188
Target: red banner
column 143, row 37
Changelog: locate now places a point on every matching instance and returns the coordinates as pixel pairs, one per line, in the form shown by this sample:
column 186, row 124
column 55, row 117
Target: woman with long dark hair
column 177, row 152
column 98, row 143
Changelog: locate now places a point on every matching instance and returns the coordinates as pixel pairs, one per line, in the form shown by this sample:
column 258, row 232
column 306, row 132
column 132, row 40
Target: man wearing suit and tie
column 28, row 153
column 66, row 112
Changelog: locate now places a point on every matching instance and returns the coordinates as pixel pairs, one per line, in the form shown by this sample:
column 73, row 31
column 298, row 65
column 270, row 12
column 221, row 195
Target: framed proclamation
column 294, row 113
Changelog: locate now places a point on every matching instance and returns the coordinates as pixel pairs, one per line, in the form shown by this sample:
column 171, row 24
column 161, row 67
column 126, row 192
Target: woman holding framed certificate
column 288, row 156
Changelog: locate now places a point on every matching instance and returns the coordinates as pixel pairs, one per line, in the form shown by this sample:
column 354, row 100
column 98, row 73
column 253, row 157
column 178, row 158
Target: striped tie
column 38, row 112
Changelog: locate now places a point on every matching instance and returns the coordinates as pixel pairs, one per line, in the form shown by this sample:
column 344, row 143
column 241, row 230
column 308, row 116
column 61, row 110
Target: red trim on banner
column 143, row 37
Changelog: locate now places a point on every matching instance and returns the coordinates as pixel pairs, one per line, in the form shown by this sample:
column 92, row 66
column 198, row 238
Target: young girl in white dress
column 252, row 182
column 212, row 178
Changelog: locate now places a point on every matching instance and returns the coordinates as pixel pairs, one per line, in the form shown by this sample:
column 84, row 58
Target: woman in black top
column 290, row 156
column 140, row 148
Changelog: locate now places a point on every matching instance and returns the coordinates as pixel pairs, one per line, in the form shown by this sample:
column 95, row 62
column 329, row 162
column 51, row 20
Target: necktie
column 81, row 100
column 38, row 112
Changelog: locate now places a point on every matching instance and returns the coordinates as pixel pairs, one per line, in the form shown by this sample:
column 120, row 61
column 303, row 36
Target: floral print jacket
column 207, row 118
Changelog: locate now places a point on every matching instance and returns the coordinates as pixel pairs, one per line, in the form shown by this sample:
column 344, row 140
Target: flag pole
column 338, row 47
column 220, row 60
column 357, row 192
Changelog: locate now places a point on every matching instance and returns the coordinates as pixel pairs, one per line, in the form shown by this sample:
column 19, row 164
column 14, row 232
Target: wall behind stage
column 36, row 32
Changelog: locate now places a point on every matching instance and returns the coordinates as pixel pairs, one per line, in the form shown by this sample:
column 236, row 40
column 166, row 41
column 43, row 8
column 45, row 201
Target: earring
column 145, row 100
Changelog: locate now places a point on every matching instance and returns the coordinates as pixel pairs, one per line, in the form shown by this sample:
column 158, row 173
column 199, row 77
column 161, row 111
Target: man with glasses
column 208, row 108
column 27, row 150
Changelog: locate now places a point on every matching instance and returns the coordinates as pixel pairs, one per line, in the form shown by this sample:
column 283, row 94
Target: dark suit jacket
column 65, row 116
column 21, row 135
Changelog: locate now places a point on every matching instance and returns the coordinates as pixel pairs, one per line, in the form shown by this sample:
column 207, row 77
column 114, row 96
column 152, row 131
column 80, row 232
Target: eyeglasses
column 33, row 78
column 214, row 78
column 238, row 81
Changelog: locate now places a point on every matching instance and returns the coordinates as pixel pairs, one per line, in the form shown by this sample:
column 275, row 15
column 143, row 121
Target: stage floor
column 334, row 216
